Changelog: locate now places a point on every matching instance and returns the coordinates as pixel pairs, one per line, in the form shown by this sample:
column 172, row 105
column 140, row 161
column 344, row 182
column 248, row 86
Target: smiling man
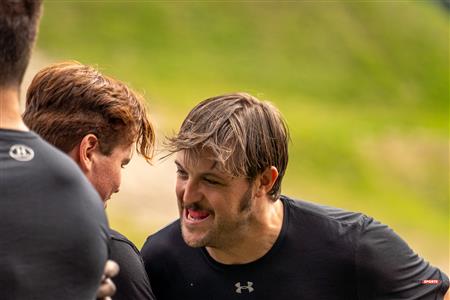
column 228, row 213
column 96, row 120
column 238, row 238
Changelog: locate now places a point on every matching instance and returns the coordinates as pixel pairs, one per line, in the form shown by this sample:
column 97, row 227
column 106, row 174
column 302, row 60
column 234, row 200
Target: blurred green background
column 364, row 87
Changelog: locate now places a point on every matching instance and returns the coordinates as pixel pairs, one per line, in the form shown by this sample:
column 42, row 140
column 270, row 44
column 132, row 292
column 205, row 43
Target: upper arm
column 132, row 281
column 387, row 268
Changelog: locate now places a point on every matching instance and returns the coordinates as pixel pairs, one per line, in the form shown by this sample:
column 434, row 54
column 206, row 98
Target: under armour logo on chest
column 249, row 287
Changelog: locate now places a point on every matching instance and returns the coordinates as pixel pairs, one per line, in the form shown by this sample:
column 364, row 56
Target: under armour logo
column 248, row 287
column 21, row 152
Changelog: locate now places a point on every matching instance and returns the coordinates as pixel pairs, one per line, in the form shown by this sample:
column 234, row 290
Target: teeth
column 196, row 218
column 192, row 218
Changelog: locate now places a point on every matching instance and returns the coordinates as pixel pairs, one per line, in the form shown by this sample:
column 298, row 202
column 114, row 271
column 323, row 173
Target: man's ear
column 266, row 180
column 84, row 153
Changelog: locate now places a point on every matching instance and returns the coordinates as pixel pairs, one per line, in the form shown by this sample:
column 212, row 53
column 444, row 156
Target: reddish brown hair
column 67, row 101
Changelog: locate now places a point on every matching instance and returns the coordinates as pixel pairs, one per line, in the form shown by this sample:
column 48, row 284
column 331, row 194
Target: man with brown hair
column 53, row 230
column 238, row 238
column 96, row 120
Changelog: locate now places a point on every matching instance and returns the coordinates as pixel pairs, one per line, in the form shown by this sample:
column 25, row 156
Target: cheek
column 179, row 189
column 117, row 177
column 227, row 203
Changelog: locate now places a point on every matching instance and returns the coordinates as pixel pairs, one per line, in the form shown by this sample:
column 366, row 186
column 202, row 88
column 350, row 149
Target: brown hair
column 67, row 101
column 18, row 29
column 243, row 134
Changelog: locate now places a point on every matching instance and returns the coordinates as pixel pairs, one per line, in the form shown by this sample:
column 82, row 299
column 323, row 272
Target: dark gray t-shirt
column 53, row 229
column 321, row 253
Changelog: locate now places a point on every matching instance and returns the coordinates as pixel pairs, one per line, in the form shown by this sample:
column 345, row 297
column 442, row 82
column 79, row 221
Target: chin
column 193, row 240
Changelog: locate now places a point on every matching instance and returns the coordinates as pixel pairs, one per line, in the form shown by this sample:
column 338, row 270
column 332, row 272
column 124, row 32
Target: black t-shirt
column 321, row 253
column 132, row 281
column 53, row 229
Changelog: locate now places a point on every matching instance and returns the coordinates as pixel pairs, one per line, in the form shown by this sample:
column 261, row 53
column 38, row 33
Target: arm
column 388, row 268
column 132, row 281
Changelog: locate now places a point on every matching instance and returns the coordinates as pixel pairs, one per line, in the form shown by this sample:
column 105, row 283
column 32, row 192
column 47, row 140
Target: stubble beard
column 223, row 232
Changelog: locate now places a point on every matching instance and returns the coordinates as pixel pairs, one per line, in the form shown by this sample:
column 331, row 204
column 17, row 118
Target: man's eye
column 124, row 163
column 181, row 173
column 211, row 181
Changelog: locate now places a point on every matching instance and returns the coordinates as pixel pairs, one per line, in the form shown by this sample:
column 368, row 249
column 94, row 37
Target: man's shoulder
column 323, row 213
column 53, row 178
column 59, row 207
column 166, row 236
column 132, row 281
column 58, row 162
column 33, row 157
column 162, row 243
column 31, row 150
column 119, row 241
column 65, row 177
column 117, row 236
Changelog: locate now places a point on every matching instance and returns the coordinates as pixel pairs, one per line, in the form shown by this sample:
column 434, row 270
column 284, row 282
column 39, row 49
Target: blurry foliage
column 363, row 86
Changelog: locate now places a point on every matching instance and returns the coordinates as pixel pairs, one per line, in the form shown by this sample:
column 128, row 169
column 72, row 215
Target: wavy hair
column 243, row 134
column 67, row 101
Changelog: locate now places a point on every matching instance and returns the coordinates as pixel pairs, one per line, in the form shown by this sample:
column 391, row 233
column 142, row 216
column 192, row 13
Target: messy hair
column 67, row 101
column 241, row 133
column 18, row 29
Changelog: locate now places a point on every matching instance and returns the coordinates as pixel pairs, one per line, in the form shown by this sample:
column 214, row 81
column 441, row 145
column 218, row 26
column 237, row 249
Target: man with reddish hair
column 97, row 121
column 53, row 230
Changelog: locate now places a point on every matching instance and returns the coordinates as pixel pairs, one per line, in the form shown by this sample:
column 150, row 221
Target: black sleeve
column 387, row 268
column 132, row 281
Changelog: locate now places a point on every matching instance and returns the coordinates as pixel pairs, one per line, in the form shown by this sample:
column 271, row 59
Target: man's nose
column 191, row 193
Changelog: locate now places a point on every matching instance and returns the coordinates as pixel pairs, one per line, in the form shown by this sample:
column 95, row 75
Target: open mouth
column 196, row 216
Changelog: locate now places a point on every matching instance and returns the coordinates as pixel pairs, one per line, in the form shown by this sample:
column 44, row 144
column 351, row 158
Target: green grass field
column 363, row 86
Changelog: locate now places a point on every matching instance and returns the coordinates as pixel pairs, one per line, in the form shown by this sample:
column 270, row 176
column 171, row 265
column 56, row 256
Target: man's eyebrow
column 213, row 167
column 179, row 165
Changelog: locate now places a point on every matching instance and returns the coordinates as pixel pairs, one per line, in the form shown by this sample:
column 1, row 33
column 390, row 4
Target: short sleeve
column 388, row 269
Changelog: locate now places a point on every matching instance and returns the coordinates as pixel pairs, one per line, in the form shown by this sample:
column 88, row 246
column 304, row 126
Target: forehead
column 201, row 162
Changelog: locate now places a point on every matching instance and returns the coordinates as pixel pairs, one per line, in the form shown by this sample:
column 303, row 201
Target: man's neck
column 10, row 110
column 255, row 240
